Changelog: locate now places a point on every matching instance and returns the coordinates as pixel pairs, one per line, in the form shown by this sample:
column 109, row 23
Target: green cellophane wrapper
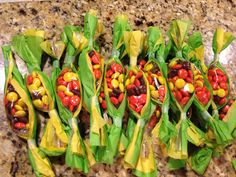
column 107, row 154
column 146, row 165
column 186, row 130
column 98, row 127
column 134, row 44
column 200, row 160
column 163, row 129
column 174, row 164
column 219, row 128
column 76, row 152
column 229, row 119
column 27, row 46
column 221, row 40
column 40, row 164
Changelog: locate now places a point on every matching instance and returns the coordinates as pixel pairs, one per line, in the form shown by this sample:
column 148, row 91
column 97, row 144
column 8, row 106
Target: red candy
column 29, row 80
column 182, row 73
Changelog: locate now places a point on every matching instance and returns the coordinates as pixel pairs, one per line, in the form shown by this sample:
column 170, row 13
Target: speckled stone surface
column 52, row 16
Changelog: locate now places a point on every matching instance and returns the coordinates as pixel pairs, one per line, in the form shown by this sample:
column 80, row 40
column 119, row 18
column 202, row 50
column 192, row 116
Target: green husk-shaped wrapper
column 38, row 160
column 27, row 46
column 134, row 43
column 76, row 152
column 164, row 129
column 146, row 165
column 200, row 160
column 230, row 120
column 219, row 128
column 108, row 153
column 186, row 130
column 221, row 40
column 98, row 128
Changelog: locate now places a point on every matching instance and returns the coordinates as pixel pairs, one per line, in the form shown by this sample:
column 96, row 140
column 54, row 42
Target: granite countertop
column 52, row 16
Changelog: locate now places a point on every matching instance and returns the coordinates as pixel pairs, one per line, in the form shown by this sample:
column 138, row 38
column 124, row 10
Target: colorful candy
column 219, row 83
column 115, row 83
column 68, row 89
column 137, row 93
column 180, row 78
column 155, row 117
column 156, row 80
column 96, row 64
column 223, row 111
column 202, row 93
column 16, row 109
column 37, row 92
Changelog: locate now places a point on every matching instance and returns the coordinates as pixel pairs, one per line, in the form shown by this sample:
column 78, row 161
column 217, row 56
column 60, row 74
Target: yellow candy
column 127, row 82
column 121, row 78
column 68, row 93
column 189, row 88
column 215, row 92
column 171, row 85
column 109, row 90
column 45, row 99
column 132, row 79
column 179, row 83
column 69, row 76
column 32, row 88
column 195, row 72
column 41, row 91
column 61, row 88
column 96, row 66
column 20, row 102
column 199, row 76
column 115, row 75
column 100, row 99
column 221, row 93
column 38, row 103
column 199, row 83
column 34, row 74
column 12, row 96
column 115, row 83
column 155, row 94
column 173, row 63
column 135, row 70
column 20, row 114
column 161, row 80
column 158, row 113
column 148, row 67
column 18, row 107
column 36, row 82
column 121, row 87
column 152, row 87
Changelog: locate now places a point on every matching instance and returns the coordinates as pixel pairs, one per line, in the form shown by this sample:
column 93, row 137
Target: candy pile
column 219, row 83
column 136, row 90
column 96, row 64
column 115, row 82
column 68, row 89
column 16, row 109
column 156, row 80
column 223, row 111
column 180, row 79
column 202, row 93
column 38, row 92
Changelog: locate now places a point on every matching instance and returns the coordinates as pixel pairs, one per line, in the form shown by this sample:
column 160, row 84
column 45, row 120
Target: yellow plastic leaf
column 34, row 32
column 53, row 49
column 89, row 153
column 79, row 41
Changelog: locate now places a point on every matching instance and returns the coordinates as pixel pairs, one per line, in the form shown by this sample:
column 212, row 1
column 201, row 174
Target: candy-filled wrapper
column 91, row 65
column 155, row 69
column 68, row 93
column 114, row 91
column 27, row 46
column 181, row 85
column 138, row 95
column 203, row 91
column 216, row 74
column 21, row 114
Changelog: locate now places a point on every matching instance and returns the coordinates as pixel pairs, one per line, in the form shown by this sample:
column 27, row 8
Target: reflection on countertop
column 52, row 16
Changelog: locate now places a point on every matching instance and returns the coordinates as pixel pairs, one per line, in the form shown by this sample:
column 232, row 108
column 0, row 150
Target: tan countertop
column 52, row 16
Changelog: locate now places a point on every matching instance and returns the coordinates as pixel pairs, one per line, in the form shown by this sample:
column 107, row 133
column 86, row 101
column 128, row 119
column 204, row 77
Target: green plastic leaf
column 174, row 164
column 154, row 39
column 27, row 46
